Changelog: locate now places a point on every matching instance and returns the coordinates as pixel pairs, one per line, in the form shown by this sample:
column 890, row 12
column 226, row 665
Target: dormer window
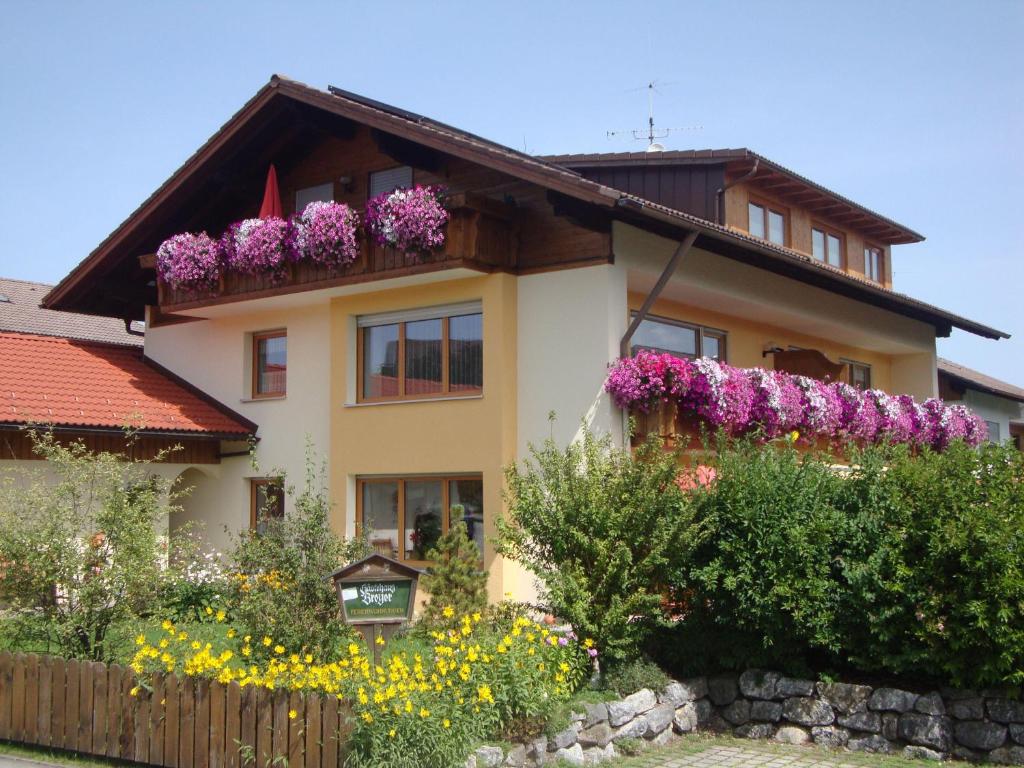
column 827, row 246
column 767, row 223
column 874, row 264
column 390, row 180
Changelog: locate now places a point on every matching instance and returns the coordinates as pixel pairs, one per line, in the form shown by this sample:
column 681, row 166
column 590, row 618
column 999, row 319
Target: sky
column 913, row 109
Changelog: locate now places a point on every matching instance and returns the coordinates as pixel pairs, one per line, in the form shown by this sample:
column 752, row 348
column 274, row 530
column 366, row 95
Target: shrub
column 604, row 531
column 456, row 584
column 80, row 553
column 629, row 677
column 196, row 581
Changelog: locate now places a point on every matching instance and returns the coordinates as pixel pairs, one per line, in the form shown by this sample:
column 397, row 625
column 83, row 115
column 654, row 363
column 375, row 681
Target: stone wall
column 968, row 725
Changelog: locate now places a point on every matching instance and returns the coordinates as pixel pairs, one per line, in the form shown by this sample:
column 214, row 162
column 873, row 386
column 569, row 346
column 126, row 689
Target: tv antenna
column 652, row 133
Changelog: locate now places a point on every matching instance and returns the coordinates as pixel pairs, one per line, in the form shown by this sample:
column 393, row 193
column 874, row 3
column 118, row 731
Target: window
column 994, row 433
column 321, row 192
column 858, row 374
column 680, row 339
column 404, row 517
column 434, row 352
column 390, row 180
column 766, row 223
column 827, row 246
column 269, row 364
column 873, row 263
column 266, row 502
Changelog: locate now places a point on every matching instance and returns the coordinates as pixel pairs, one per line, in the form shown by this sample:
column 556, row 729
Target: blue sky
column 914, row 109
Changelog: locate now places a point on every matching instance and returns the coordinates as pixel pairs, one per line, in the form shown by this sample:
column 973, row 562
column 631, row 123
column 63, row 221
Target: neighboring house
column 87, row 378
column 520, row 313
column 1001, row 405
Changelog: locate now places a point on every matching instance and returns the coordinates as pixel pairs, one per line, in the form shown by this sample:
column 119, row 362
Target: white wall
column 994, row 408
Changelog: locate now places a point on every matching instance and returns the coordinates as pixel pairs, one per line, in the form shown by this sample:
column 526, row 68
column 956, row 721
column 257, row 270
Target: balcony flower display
column 409, row 220
column 189, row 261
column 259, row 246
column 325, row 234
column 773, row 403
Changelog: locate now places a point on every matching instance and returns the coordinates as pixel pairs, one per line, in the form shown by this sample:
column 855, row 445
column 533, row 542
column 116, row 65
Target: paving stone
column 921, row 753
column 572, row 755
column 791, row 734
column 807, row 711
column 979, row 734
column 563, row 739
column 930, row 704
column 758, row 684
column 1006, row 710
column 967, row 709
column 794, row 686
column 830, row 736
column 722, row 690
column 862, row 721
column 845, row 697
column 659, row 719
column 926, row 731
column 489, row 757
column 766, row 711
column 871, row 743
column 1007, row 755
column 635, row 729
column 892, row 699
column 516, row 757
column 597, row 735
column 738, row 712
column 755, row 731
column 620, row 712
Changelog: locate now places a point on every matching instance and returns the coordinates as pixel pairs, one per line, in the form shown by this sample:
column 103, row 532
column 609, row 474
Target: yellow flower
column 424, row 712
column 231, row 633
column 134, row 691
column 391, row 733
column 379, row 640
column 292, row 714
column 267, row 641
column 588, row 643
column 367, row 717
column 448, row 611
column 794, row 436
column 209, row 611
column 447, row 723
column 484, row 693
column 140, row 640
column 221, row 615
column 278, row 649
column 353, row 649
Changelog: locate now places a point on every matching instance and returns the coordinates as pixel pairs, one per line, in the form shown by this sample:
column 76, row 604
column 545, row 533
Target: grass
column 56, row 756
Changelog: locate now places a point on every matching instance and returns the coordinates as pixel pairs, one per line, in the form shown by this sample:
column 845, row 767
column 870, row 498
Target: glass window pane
column 466, row 498
column 860, row 375
column 776, row 228
column 269, row 503
column 422, row 517
column 423, row 357
column 390, row 180
column 834, row 255
column 380, row 361
column 665, row 337
column 712, row 346
column 755, row 214
column 271, row 364
column 466, row 353
column 818, row 244
column 380, row 516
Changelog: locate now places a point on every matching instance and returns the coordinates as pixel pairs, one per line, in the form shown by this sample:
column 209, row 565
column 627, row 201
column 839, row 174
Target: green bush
column 456, row 583
column 631, row 676
column 605, row 531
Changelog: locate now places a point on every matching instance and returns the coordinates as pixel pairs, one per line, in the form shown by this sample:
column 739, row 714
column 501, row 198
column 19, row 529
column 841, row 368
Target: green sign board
column 376, row 600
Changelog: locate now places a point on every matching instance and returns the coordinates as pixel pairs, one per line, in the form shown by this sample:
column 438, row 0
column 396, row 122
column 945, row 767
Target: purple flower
column 189, row 260
column 259, row 246
column 325, row 233
column 409, row 220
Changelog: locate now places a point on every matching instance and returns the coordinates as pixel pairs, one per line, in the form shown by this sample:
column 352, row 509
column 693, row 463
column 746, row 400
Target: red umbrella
column 271, row 197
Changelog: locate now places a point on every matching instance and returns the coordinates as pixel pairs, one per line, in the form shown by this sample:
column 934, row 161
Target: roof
column 899, row 232
column 972, row 379
column 20, row 312
column 88, row 384
column 77, row 291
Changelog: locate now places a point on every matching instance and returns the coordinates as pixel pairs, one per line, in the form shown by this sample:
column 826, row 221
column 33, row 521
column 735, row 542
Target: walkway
column 697, row 752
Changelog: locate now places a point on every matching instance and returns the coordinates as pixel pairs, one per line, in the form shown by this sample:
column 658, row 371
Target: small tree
column 605, row 531
column 457, row 581
column 80, row 550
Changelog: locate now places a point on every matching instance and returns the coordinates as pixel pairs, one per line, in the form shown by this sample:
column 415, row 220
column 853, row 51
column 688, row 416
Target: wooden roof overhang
column 229, row 169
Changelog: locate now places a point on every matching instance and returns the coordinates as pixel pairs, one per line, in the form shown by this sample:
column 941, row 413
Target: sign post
column 377, row 595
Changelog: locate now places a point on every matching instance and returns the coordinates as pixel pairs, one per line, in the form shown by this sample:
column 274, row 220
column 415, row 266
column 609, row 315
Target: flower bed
column 773, row 403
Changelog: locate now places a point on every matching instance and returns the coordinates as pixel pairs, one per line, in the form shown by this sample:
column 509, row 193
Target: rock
column 965, row 754
column 922, row 753
column 663, row 738
column 844, row 697
column 620, row 712
column 722, row 690
column 563, row 739
column 891, row 726
column 830, row 736
column 596, row 755
column 872, row 743
column 572, row 755
column 537, row 749
column 930, row 704
column 489, row 757
column 1017, row 733
column 718, row 724
column 979, row 734
column 766, row 711
column 516, row 757
column 470, row 762
column 635, row 729
column 685, row 719
column 862, row 721
column 967, row 709
column 758, row 684
column 892, row 700
column 755, row 731
column 597, row 735
column 659, row 719
column 926, row 731
column 792, row 686
column 1006, row 710
column 577, row 717
column 955, row 694
column 642, row 700
column 807, row 711
column 1007, row 755
column 738, row 712
column 685, row 690
column 791, row 734
column 594, row 713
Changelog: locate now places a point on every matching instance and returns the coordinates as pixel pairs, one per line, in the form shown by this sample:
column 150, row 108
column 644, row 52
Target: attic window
column 390, row 180
column 321, row 192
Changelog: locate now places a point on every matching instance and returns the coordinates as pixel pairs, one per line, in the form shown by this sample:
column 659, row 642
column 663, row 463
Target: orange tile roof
column 75, row 383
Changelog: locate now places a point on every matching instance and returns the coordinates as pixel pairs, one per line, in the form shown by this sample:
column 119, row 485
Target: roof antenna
column 651, row 133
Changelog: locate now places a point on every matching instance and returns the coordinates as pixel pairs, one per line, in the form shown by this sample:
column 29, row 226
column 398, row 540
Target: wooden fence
column 183, row 722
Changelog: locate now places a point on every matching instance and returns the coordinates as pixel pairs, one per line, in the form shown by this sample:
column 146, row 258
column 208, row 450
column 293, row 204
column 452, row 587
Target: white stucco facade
column 996, row 411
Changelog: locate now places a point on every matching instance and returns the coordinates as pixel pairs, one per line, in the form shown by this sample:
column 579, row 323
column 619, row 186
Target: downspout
column 720, row 192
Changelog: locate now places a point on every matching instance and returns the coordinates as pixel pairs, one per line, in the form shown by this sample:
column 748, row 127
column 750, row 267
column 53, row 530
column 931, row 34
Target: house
column 87, row 378
column 551, row 267
column 1001, row 405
